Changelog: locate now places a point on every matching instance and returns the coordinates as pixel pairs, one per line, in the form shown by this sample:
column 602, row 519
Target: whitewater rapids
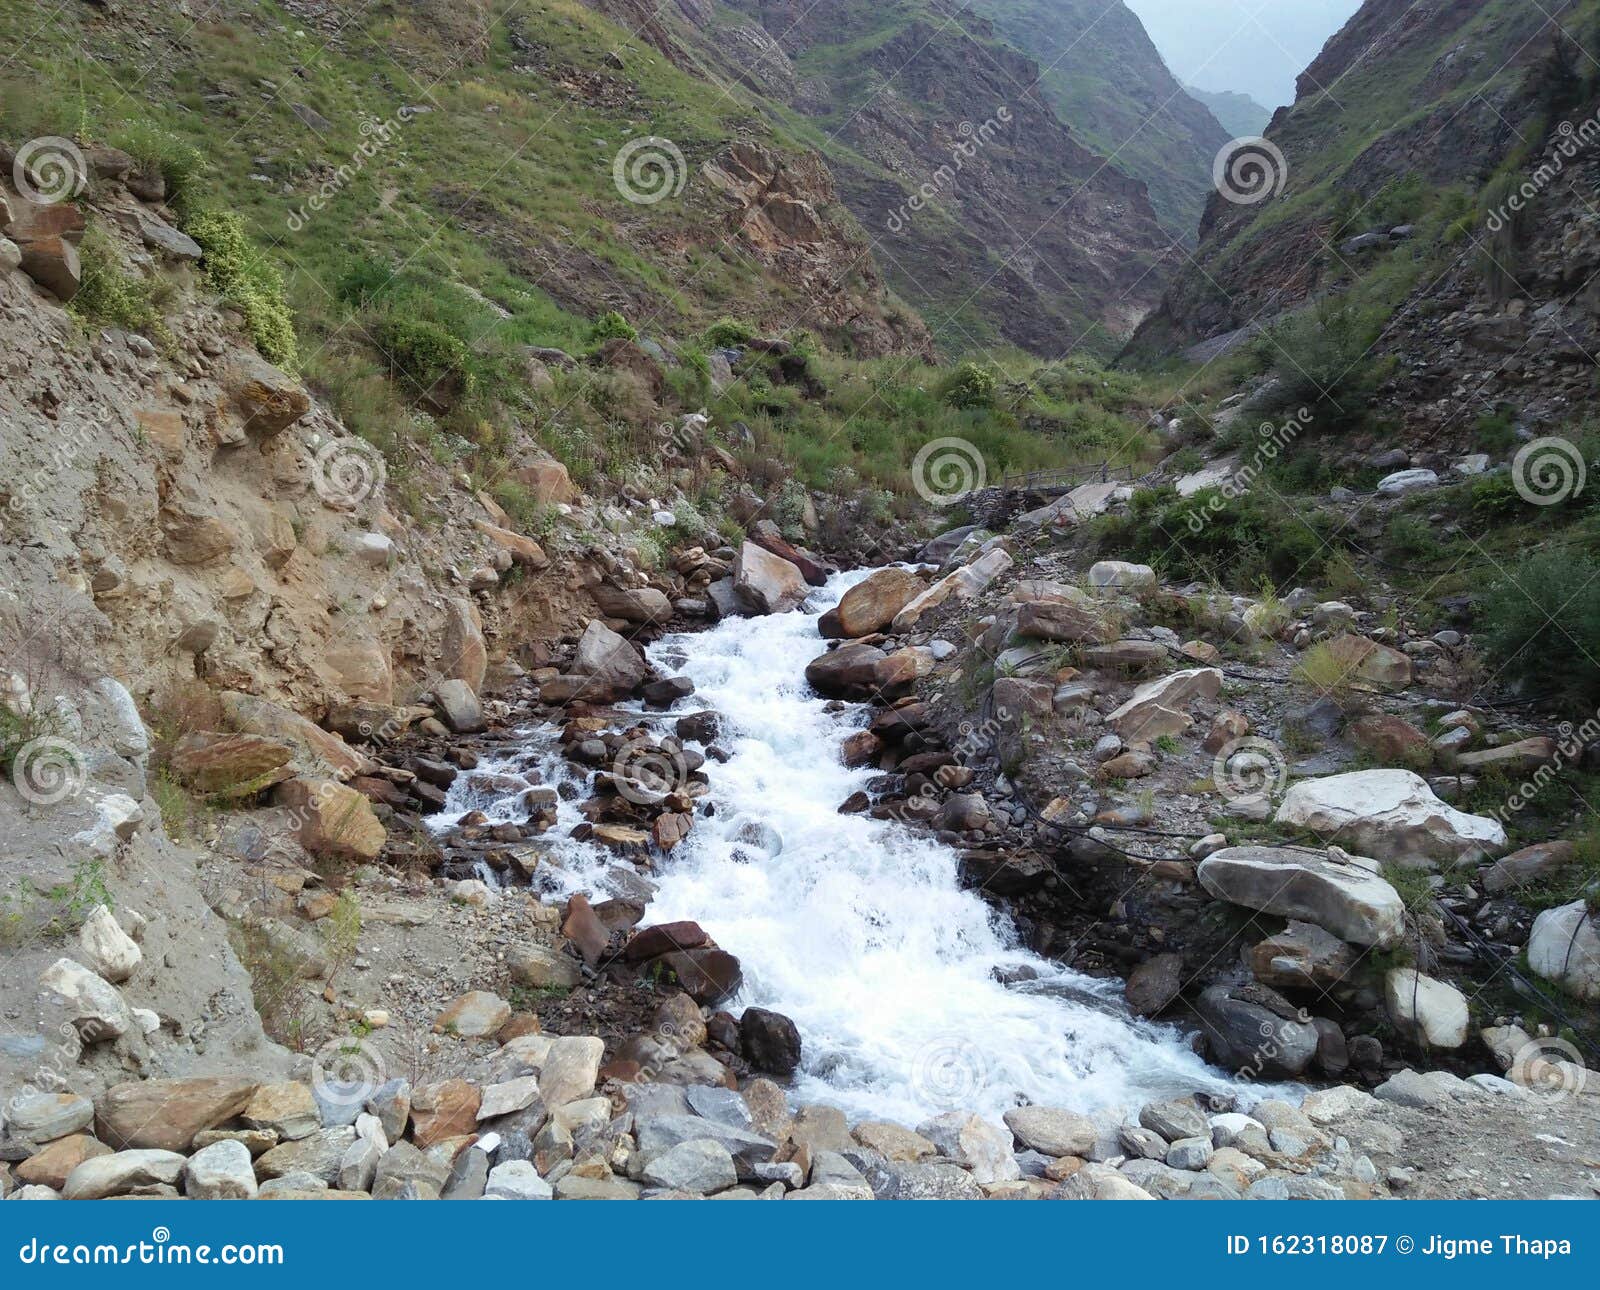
column 857, row 928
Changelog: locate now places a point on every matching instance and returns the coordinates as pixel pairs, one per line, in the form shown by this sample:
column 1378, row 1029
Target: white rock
column 107, row 949
column 1119, row 575
column 977, row 1145
column 513, row 1095
column 119, row 723
column 1426, row 1010
column 221, row 1171
column 374, row 548
column 96, row 1006
column 1406, row 481
column 121, row 1172
column 1389, row 814
column 700, row 1167
column 1342, row 1102
column 117, row 819
column 1349, row 900
column 1565, row 948
column 517, row 1180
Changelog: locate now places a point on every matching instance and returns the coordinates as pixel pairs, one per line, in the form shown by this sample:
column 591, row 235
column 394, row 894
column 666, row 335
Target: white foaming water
column 857, row 928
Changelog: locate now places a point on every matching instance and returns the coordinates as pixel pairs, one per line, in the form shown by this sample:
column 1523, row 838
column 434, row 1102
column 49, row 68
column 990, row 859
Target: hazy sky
column 1254, row 46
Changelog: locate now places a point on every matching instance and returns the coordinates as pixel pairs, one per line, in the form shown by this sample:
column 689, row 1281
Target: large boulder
column 1302, row 957
column 1343, row 894
column 979, row 1146
column 1390, row 814
column 1425, row 1010
column 1251, row 1038
column 849, row 672
column 229, row 765
column 165, row 1114
column 632, row 604
column 765, row 583
column 612, row 665
column 458, row 706
column 765, row 534
column 1159, row 707
column 464, row 655
column 332, row 820
column 1565, row 948
column 870, row 605
column 963, row 584
column 314, row 746
column 1366, row 662
column 1063, row 620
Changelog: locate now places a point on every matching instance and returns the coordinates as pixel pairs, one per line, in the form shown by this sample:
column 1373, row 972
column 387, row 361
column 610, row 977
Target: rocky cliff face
column 1406, row 101
column 1108, row 84
column 985, row 209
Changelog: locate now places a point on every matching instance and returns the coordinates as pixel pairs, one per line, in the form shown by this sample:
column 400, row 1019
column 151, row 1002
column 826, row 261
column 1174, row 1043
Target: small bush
column 1539, row 626
column 158, row 153
column 972, row 385
column 423, row 351
column 726, row 333
column 236, row 269
column 611, row 326
column 110, row 296
column 1322, row 359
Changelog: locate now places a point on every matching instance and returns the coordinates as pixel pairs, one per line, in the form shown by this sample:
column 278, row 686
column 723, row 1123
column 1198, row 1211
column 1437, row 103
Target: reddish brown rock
column 51, row 1165
column 583, row 928
column 165, row 1114
column 445, row 1110
column 870, row 605
column 229, row 764
column 664, row 938
column 708, row 976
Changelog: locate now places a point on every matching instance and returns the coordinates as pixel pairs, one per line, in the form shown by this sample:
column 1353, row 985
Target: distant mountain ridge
column 1108, row 83
column 1239, row 114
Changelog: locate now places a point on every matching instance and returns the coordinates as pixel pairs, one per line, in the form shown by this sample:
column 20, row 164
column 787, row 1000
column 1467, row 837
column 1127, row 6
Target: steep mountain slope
column 430, row 133
column 1409, row 108
column 1105, row 79
column 1238, row 114
column 986, row 211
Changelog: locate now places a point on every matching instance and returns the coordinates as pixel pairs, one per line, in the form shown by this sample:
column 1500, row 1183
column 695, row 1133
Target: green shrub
column 972, row 385
column 156, row 152
column 1322, row 360
column 423, row 350
column 611, row 326
column 727, row 333
column 110, row 296
column 244, row 278
column 1539, row 625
